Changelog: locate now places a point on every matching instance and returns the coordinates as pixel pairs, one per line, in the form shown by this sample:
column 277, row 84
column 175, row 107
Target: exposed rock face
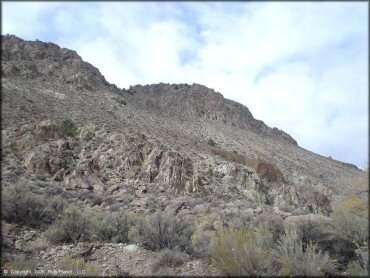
column 40, row 60
column 51, row 157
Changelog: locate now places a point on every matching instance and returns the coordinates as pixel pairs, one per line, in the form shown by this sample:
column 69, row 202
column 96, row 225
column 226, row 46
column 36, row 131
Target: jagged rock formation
column 181, row 148
column 27, row 59
column 199, row 102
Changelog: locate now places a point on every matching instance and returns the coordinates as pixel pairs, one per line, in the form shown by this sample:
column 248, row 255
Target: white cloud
column 299, row 66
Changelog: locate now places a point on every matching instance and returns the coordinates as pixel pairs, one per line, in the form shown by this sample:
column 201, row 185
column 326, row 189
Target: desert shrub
column 357, row 206
column 70, row 226
column 57, row 204
column 351, row 220
column 23, row 207
column 267, row 171
column 272, row 222
column 350, row 223
column 228, row 155
column 355, row 269
column 327, row 240
column 122, row 102
column 67, row 128
column 201, row 240
column 169, row 258
column 38, row 245
column 361, row 266
column 309, row 231
column 94, row 199
column 243, row 252
column 78, row 267
column 202, row 236
column 161, row 230
column 211, row 142
column 110, row 200
column 112, row 226
column 296, row 260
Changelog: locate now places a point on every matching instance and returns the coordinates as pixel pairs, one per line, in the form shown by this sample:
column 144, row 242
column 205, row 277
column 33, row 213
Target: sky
column 299, row 66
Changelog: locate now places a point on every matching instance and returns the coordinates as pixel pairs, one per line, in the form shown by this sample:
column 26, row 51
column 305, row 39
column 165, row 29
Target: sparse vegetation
column 272, row 222
column 360, row 267
column 78, row 267
column 67, row 128
column 112, row 227
column 297, row 260
column 211, row 142
column 351, row 220
column 120, row 100
column 70, row 226
column 266, row 170
column 23, row 207
column 243, row 252
column 169, row 258
column 252, row 252
column 165, row 170
column 228, row 155
column 24, row 264
column 161, row 230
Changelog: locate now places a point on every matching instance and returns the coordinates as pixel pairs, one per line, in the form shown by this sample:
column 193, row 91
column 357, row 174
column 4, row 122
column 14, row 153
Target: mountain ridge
column 86, row 76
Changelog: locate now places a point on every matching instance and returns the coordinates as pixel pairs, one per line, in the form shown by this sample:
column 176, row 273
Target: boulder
column 49, row 158
column 38, row 162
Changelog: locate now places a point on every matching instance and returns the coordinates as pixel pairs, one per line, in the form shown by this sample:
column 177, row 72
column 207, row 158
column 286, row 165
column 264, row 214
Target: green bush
column 23, row 207
column 67, row 128
column 169, row 258
column 211, row 142
column 70, row 226
column 161, row 230
column 296, row 260
column 351, row 220
column 113, row 227
column 360, row 267
column 243, row 252
column 201, row 241
column 272, row 222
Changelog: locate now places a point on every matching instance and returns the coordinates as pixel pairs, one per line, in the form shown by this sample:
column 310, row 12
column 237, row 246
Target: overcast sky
column 301, row 67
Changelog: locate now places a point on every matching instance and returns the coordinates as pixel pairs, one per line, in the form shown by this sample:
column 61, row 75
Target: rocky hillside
column 179, row 149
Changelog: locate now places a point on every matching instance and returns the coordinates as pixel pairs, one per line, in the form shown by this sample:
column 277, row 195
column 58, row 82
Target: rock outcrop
column 40, row 60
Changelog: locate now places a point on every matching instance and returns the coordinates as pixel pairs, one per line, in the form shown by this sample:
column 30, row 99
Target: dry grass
column 243, row 252
column 228, row 155
column 78, row 267
column 266, row 170
column 296, row 260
